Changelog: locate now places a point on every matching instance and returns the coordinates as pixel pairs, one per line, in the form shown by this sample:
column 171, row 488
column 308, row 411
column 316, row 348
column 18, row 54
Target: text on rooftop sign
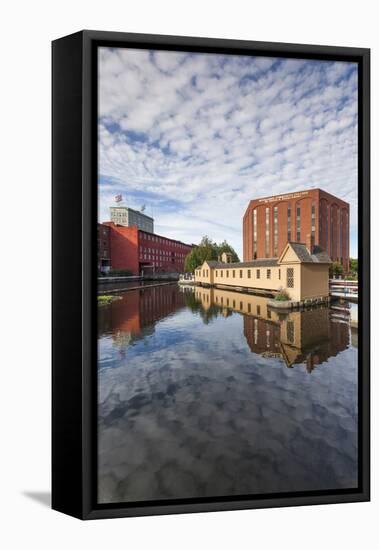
column 285, row 197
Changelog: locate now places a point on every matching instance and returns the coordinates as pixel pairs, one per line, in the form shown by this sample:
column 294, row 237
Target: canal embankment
column 113, row 287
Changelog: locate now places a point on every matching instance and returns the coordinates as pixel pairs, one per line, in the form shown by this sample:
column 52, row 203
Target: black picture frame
column 74, row 204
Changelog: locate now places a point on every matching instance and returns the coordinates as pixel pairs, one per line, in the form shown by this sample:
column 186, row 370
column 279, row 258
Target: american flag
column 118, row 198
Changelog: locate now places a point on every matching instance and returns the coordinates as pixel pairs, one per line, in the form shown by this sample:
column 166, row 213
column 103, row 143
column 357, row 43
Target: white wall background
column 27, row 29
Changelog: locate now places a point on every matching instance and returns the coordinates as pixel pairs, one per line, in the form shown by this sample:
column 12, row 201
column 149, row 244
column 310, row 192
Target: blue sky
column 194, row 137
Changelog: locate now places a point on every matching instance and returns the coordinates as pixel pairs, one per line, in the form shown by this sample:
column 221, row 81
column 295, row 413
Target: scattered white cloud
column 196, row 136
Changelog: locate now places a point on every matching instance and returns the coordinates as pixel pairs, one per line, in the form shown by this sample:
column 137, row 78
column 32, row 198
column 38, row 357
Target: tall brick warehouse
column 311, row 216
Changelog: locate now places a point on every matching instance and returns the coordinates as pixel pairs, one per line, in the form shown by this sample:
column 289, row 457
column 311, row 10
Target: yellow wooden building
column 301, row 271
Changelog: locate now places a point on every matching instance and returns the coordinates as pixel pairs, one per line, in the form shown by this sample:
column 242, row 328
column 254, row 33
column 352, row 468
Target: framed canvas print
column 210, row 275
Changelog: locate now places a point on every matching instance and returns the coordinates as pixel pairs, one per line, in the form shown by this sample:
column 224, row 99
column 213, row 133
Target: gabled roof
column 264, row 262
column 318, row 256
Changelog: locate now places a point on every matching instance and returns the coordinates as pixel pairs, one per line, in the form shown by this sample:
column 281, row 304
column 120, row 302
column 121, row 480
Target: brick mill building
column 270, row 222
column 143, row 252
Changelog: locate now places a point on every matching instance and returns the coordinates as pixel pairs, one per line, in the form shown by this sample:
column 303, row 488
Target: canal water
column 207, row 393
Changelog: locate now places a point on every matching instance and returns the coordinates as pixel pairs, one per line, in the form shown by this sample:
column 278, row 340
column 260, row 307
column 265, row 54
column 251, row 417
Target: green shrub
column 282, row 296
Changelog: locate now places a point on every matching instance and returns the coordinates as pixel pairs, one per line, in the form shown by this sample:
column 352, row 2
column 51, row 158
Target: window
column 216, row 273
column 220, row 273
column 298, row 214
column 258, row 273
column 234, row 273
column 290, row 332
column 241, row 306
column 249, row 308
column 254, row 234
column 313, row 227
column 240, row 273
column 275, row 230
column 269, row 274
column 267, row 232
column 227, row 273
column 327, row 228
column 290, row 277
column 203, row 272
column 268, row 314
column 279, row 273
column 234, row 303
column 248, row 273
column 258, row 310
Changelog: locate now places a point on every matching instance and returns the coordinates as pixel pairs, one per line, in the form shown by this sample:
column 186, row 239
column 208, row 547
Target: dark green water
column 211, row 394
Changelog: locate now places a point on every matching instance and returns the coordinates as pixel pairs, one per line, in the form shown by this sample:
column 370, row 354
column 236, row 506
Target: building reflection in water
column 187, row 407
column 135, row 314
column 308, row 336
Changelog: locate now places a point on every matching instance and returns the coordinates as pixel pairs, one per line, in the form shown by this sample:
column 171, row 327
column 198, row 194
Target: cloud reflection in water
column 196, row 399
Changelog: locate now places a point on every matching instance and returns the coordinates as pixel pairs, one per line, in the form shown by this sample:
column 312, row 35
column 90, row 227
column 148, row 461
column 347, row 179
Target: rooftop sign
column 288, row 196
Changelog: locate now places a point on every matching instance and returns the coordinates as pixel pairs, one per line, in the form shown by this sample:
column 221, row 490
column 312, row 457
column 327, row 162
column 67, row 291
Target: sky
column 196, row 136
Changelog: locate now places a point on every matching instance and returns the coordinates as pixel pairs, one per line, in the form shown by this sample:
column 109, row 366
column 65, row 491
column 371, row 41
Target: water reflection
column 305, row 336
column 195, row 398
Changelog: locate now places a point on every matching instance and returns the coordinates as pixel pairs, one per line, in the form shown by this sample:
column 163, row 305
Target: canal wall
column 109, row 290
column 293, row 304
column 133, row 278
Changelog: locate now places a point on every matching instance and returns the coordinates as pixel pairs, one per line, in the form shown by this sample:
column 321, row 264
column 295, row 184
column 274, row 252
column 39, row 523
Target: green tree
column 336, row 269
column 207, row 250
column 354, row 265
column 226, row 247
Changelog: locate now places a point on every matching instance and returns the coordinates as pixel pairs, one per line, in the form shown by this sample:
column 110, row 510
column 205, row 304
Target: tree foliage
column 354, row 265
column 336, row 269
column 207, row 250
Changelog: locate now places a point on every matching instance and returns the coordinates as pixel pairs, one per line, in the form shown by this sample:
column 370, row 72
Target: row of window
column 241, row 274
column 249, row 272
column 160, row 259
column 159, row 264
column 158, row 252
column 276, row 231
column 162, row 240
column 233, row 273
column 234, row 305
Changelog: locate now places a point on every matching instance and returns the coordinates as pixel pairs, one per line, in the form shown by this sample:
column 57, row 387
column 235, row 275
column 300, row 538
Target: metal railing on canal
column 342, row 288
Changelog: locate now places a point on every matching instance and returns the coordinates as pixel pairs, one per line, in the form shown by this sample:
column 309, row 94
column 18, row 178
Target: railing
column 343, row 287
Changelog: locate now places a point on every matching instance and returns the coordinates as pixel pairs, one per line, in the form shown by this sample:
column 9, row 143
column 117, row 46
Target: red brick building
column 140, row 251
column 103, row 248
column 305, row 216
